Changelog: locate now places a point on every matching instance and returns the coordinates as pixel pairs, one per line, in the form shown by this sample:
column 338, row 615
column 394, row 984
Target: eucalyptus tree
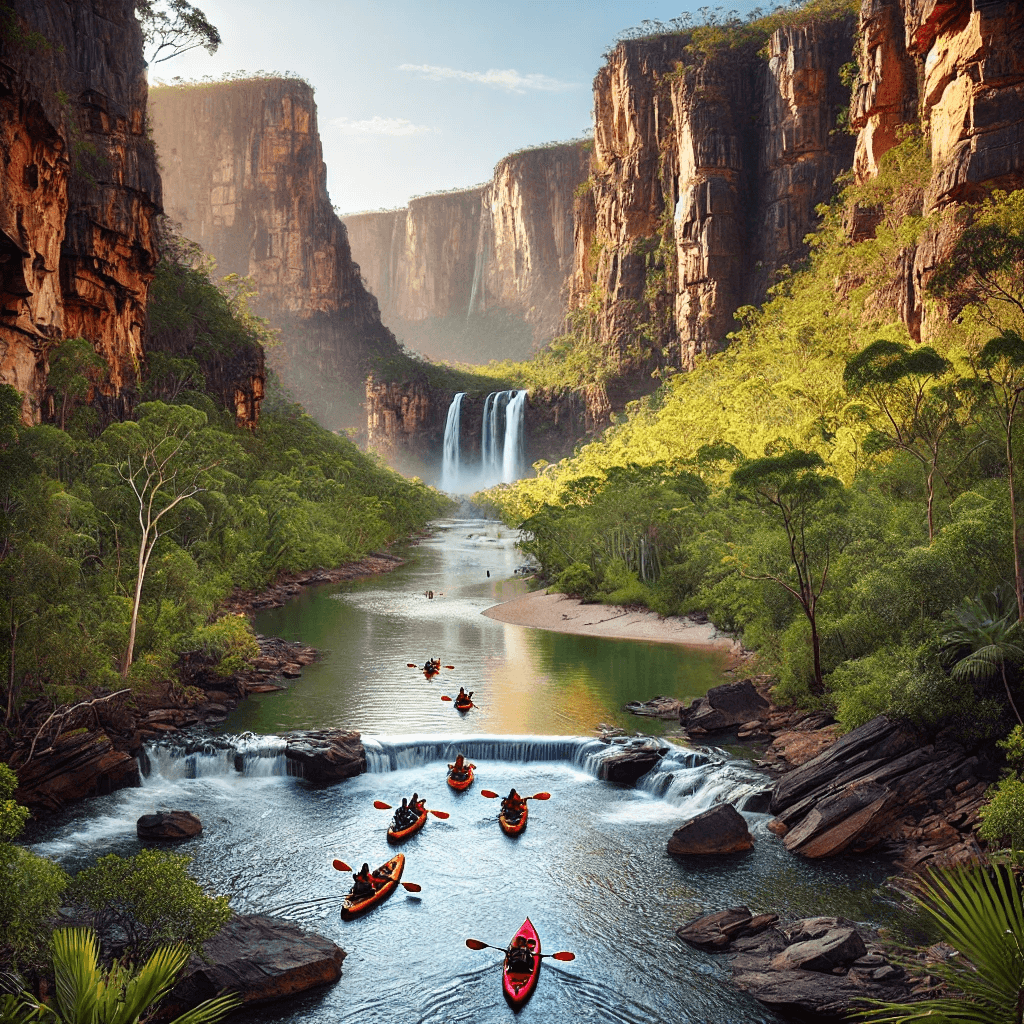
column 915, row 405
column 173, row 27
column 792, row 494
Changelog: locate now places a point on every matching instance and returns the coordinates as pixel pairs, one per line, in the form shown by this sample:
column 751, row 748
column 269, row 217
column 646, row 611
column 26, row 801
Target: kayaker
column 512, row 806
column 459, row 769
column 380, row 876
column 520, row 956
column 362, row 883
column 402, row 816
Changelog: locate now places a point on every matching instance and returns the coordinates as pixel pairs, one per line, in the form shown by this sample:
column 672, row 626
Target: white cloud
column 379, row 126
column 509, row 80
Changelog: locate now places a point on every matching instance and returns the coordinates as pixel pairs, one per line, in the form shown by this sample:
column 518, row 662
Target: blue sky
column 418, row 96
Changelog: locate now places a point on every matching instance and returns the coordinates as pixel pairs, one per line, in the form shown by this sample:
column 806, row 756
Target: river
column 591, row 870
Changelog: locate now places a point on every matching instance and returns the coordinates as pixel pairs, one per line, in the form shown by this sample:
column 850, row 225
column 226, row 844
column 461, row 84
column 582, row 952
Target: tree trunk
column 1009, row 696
column 143, row 559
column 931, row 501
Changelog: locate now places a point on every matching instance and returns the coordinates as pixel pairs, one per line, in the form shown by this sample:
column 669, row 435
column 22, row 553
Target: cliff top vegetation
column 231, row 78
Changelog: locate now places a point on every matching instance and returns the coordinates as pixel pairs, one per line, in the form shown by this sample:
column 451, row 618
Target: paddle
column 381, row 806
column 340, row 865
column 491, row 795
column 477, row 944
column 445, row 696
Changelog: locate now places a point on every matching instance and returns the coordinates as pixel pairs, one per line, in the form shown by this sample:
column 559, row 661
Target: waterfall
column 490, row 442
column 478, row 267
column 450, row 459
column 487, row 440
column 513, row 455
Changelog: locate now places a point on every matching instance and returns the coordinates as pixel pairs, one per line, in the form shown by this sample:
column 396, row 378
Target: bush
column 228, row 643
column 578, row 580
column 1002, row 818
column 139, row 903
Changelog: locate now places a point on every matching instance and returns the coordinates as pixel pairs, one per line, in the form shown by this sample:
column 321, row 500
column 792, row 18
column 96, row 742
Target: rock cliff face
column 481, row 273
column 706, row 175
column 956, row 68
column 244, row 176
column 80, row 192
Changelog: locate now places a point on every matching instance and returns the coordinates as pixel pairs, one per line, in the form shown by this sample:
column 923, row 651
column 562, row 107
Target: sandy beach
column 563, row 614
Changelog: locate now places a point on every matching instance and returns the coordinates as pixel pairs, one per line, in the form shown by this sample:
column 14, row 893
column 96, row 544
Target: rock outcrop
column 820, row 968
column 243, row 174
column 260, row 958
column 724, row 707
column 721, row 829
column 80, row 194
column 326, row 756
column 168, row 826
column 481, row 273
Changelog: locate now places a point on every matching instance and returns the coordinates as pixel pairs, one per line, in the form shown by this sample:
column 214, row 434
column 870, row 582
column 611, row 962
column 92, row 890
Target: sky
column 420, row 96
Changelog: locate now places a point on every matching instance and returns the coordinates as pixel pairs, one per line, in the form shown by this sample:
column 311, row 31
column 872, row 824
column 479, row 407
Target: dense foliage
column 117, row 546
column 826, row 487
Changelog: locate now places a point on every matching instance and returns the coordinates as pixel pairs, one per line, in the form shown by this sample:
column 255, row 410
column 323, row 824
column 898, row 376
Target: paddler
column 459, row 770
column 512, row 806
column 463, row 697
column 402, row 817
column 520, row 956
column 362, row 883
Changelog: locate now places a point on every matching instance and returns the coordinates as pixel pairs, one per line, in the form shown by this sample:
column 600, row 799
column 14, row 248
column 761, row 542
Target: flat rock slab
column 656, row 707
column 720, row 830
column 628, row 766
column 262, row 959
column 327, row 756
column 168, row 826
column 838, row 947
column 724, row 707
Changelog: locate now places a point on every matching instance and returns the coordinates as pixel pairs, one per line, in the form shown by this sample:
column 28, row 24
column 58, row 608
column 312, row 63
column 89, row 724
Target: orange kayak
column 463, row 705
column 518, row 986
column 511, row 829
column 461, row 784
column 403, row 834
column 354, row 907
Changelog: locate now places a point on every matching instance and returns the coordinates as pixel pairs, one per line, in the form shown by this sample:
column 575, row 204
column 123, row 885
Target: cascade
column 487, row 439
column 450, row 467
column 478, row 267
column 494, row 422
column 513, row 454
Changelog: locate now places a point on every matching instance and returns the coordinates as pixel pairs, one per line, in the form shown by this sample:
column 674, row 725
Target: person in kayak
column 459, row 770
column 512, row 806
column 362, row 883
column 520, row 956
column 403, row 819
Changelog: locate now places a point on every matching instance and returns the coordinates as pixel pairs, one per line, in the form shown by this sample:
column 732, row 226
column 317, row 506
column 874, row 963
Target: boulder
column 715, row 931
column 656, row 707
column 75, row 766
column 328, row 755
column 724, row 707
column 262, row 959
column 838, row 947
column 628, row 766
column 168, row 826
column 720, row 830
column 815, row 996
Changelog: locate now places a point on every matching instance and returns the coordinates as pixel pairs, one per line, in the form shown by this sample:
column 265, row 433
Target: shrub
column 578, row 580
column 228, row 643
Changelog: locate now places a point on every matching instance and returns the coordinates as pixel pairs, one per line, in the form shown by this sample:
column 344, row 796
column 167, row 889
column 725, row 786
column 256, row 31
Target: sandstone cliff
column 244, row 176
column 480, row 273
column 80, row 192
column 706, row 173
column 954, row 68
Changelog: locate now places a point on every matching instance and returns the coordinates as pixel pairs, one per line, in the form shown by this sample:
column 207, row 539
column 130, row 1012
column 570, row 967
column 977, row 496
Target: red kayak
column 518, row 986
column 463, row 705
column 513, row 829
column 461, row 784
column 354, row 907
column 403, row 834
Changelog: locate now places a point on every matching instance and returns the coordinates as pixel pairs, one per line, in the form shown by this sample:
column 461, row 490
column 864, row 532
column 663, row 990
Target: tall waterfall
column 512, row 458
column 450, row 468
column 478, row 269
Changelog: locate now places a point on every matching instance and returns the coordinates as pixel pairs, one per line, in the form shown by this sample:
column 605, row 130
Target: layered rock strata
column 480, row 273
column 80, row 193
column 244, row 176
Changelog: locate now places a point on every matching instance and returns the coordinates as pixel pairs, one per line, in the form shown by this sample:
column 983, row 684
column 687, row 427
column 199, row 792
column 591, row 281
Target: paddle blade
column 440, row 814
column 445, row 697
column 411, row 665
column 449, row 666
column 540, row 796
column 563, row 956
column 381, row 806
column 476, row 944
column 489, row 794
column 412, row 887
column 340, row 865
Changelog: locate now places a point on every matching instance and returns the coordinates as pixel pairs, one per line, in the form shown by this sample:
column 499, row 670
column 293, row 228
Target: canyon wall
column 244, row 176
column 480, row 273
column 954, row 68
column 706, row 173
column 80, row 193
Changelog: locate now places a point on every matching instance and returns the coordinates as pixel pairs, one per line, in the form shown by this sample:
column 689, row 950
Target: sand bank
column 563, row 614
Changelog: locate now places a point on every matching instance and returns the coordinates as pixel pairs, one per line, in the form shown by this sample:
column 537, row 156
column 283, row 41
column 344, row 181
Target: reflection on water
column 524, row 680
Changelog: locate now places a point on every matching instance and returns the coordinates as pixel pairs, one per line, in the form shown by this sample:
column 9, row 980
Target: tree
column 85, row 993
column 980, row 638
column 790, row 491
column 75, row 368
column 979, row 913
column 913, row 410
column 175, row 26
column 164, row 459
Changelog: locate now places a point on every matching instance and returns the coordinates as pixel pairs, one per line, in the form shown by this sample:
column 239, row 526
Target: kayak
column 353, row 908
column 461, row 784
column 403, row 834
column 463, row 705
column 518, row 986
column 511, row 829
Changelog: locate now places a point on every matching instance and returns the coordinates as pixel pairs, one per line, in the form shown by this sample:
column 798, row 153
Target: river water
column 591, row 870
